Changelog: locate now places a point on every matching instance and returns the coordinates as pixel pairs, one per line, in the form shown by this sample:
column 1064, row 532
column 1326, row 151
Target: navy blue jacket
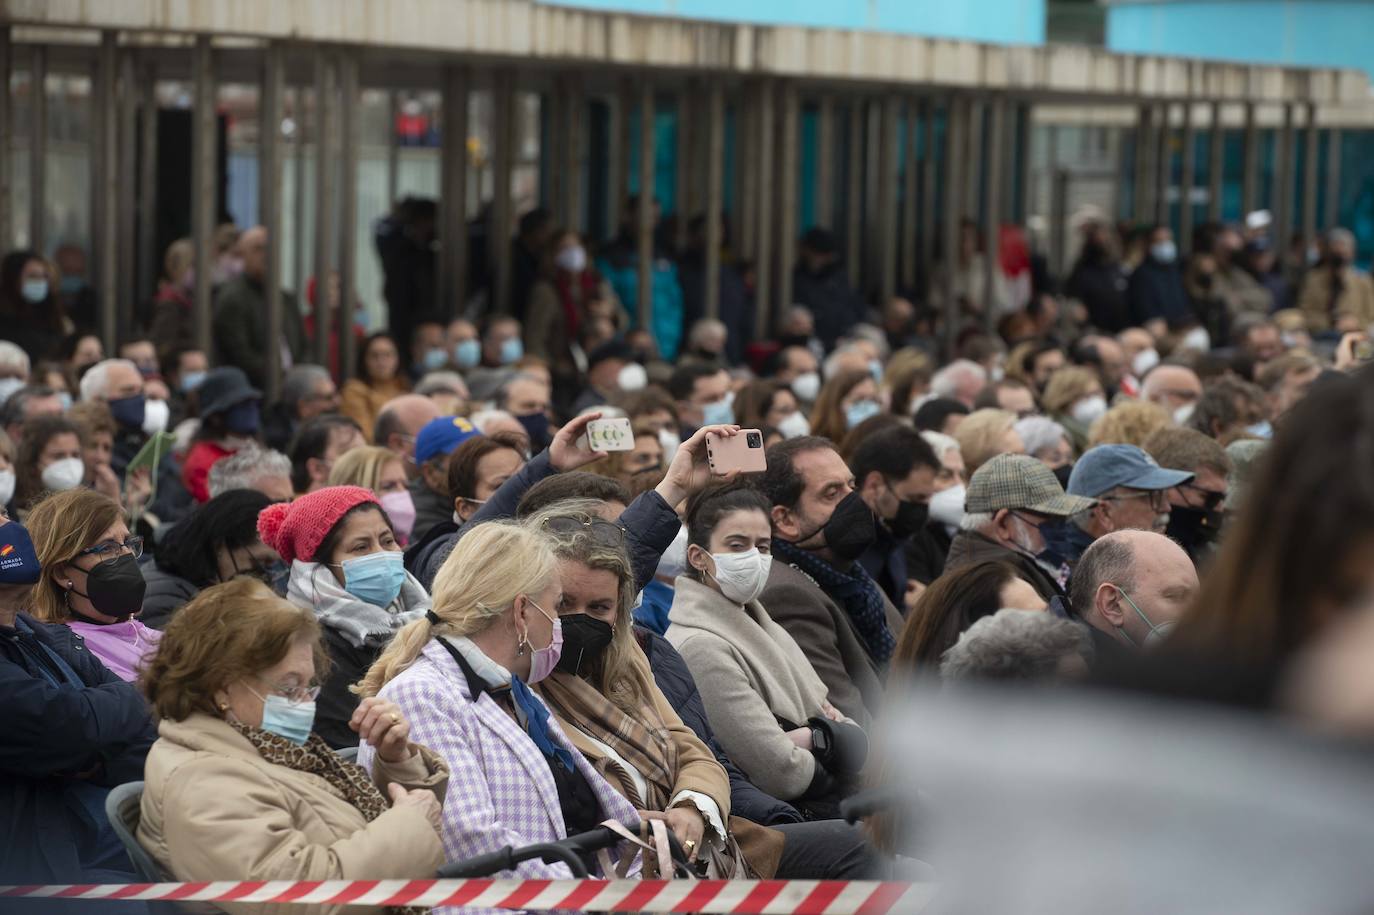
column 64, row 747
column 675, row 681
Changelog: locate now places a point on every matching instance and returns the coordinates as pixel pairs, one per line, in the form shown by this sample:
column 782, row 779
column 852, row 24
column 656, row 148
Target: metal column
column 956, row 118
column 788, row 230
column 453, row 197
column 105, row 186
column 1333, row 177
column 348, row 207
column 1309, row 178
column 1163, row 163
column 764, row 211
column 1216, row 165
column 502, row 217
column 126, row 270
column 1022, row 170
column 825, row 162
column 149, row 258
column 715, row 186
column 910, row 210
column 1144, row 170
column 854, row 163
column 325, row 87
column 298, row 268
column 1186, row 180
column 1249, row 198
column 746, row 172
column 574, row 113
column 886, row 197
column 393, row 162
column 204, row 196
column 992, row 212
column 619, row 179
column 6, row 112
column 645, row 214
column 927, row 263
column 270, row 206
column 1285, row 181
column 685, row 154
column 38, row 149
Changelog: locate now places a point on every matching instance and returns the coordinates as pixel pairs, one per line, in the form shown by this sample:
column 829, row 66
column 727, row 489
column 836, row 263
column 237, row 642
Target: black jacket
column 431, row 508
column 674, row 680
column 1101, row 287
column 926, row 552
column 335, row 705
column 1156, row 291
column 172, row 501
column 165, row 595
column 836, row 305
column 65, row 745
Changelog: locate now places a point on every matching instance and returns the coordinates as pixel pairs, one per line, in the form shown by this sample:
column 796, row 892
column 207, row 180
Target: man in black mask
column 894, row 471
column 1196, row 514
column 817, row 590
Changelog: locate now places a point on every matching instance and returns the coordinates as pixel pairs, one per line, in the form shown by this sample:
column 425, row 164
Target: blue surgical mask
column 375, row 578
column 1260, row 430
column 512, row 350
column 65, row 400
column 435, row 359
column 1166, row 252
column 467, row 353
column 718, row 413
column 34, row 291
column 861, row 410
column 875, row 368
column 290, row 720
column 243, row 418
column 71, row 285
column 192, row 380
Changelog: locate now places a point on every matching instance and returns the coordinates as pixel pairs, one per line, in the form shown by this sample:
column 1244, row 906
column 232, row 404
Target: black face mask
column 115, row 589
column 850, row 530
column 1062, row 474
column 1195, row 529
column 910, row 518
column 585, row 638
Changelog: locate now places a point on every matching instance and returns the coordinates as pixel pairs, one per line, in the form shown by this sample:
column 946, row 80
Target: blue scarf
column 855, row 590
column 536, row 717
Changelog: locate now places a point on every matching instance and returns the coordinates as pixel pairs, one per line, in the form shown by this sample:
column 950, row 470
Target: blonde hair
column 61, row 526
column 361, row 467
column 615, row 674
column 980, row 436
column 1129, row 423
column 1067, row 385
column 491, row 566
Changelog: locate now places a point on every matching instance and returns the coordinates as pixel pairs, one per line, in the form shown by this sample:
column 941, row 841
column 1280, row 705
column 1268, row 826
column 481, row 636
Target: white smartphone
column 610, row 435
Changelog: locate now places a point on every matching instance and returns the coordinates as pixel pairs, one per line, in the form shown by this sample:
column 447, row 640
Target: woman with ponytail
column 462, row 674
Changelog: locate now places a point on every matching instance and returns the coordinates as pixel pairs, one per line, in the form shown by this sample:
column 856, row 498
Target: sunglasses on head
column 607, row 532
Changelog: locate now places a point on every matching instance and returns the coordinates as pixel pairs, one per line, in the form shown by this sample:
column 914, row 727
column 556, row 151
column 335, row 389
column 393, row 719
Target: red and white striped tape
column 736, row 897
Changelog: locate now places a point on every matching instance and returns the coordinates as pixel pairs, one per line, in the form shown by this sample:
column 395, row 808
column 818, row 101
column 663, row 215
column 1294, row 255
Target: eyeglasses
column 1211, row 499
column 110, row 550
column 602, row 531
column 1158, row 499
column 293, row 693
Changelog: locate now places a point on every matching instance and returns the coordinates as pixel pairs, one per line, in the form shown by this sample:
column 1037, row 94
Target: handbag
column 725, row 860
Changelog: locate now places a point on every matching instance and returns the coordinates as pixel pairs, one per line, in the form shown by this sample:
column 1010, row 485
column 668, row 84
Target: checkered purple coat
column 500, row 791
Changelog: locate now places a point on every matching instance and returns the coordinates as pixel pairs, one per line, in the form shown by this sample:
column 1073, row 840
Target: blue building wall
column 1001, row 21
column 1315, row 33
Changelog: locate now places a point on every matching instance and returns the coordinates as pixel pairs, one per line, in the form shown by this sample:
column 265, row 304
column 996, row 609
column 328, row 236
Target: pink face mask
column 544, row 660
column 400, row 508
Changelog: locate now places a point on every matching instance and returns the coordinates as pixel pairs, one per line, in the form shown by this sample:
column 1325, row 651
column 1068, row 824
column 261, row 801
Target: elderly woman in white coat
column 767, row 705
column 462, row 676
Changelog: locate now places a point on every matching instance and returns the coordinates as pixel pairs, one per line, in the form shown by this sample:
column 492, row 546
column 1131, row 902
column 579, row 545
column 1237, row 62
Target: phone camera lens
column 753, row 439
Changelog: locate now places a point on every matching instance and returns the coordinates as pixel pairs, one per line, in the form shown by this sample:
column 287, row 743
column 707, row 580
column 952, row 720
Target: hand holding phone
column 742, row 452
column 610, row 435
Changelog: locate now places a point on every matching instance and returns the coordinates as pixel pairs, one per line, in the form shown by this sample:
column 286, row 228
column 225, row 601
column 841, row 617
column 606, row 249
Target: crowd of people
column 1157, row 477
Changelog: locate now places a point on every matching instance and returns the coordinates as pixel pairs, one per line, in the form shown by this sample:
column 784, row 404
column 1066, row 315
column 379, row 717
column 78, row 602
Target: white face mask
column 673, row 562
column 156, row 415
column 947, row 506
column 1144, row 360
column 7, row 480
column 572, row 259
column 807, row 386
column 1184, row 413
column 632, row 377
column 670, row 441
column 794, row 425
column 1197, row 339
column 1087, row 410
column 8, row 386
column 742, row 576
column 60, row 476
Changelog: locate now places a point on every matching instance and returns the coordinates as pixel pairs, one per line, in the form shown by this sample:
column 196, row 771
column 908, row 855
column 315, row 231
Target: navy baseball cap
column 442, row 436
column 1106, row 467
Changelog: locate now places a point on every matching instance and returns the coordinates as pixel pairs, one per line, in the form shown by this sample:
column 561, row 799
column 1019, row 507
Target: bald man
column 240, row 321
column 1132, row 587
column 1176, row 388
column 399, row 421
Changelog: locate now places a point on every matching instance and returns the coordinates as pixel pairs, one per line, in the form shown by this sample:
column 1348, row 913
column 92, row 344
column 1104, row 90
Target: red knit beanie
column 296, row 529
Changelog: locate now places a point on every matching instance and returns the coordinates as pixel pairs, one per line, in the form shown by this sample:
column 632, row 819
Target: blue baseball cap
column 442, row 436
column 1106, row 467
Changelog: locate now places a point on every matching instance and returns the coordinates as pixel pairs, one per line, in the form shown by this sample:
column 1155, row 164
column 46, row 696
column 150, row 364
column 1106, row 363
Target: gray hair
column 1107, row 559
column 300, row 382
column 832, row 362
column 14, row 359
column 12, row 410
column 442, row 382
column 1016, row 645
column 975, row 521
column 706, row 326
column 483, row 418
column 945, row 383
column 1038, row 433
column 872, row 334
column 1341, row 234
column 96, row 382
column 245, row 467
column 941, row 444
column 501, row 399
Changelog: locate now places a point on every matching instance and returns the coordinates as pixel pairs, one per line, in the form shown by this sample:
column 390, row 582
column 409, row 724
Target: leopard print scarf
column 317, row 758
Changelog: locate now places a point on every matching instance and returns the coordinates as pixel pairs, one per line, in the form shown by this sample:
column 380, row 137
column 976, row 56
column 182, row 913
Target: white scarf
column 314, row 587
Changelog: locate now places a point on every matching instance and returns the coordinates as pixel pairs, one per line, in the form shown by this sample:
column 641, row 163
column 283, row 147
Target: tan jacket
column 361, row 402
column 1356, row 299
column 214, row 809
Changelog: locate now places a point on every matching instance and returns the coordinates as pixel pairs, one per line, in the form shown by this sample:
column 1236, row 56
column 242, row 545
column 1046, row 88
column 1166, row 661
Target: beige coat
column 1357, row 299
column 214, row 809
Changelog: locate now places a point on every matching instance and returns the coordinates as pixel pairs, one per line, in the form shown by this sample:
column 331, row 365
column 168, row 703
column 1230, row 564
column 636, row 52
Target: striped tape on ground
column 735, row 897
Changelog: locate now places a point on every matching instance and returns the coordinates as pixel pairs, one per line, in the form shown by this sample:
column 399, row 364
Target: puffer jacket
column 165, row 595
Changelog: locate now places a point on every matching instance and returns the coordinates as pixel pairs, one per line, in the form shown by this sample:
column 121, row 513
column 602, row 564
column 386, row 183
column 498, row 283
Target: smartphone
column 610, row 435
column 742, row 452
column 1364, row 350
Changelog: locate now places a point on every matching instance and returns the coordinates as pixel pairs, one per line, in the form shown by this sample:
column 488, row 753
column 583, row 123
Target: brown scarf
column 643, row 742
column 315, row 757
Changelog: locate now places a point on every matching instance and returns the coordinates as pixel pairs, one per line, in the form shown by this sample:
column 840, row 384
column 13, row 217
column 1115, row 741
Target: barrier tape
column 735, row 897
